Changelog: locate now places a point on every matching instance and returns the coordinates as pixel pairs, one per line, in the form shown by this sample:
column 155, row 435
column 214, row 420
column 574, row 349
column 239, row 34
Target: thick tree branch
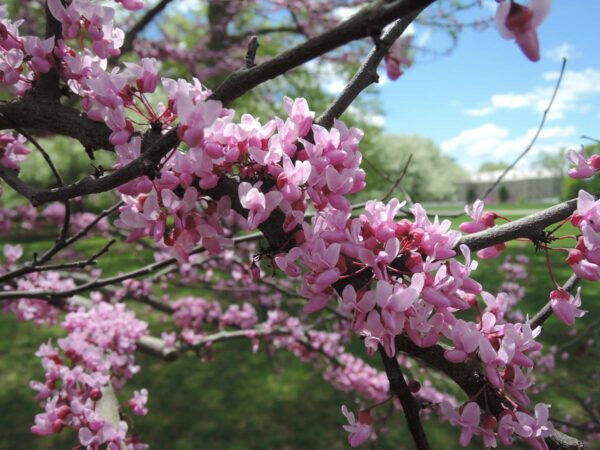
column 530, row 227
column 51, row 117
column 368, row 21
column 367, row 74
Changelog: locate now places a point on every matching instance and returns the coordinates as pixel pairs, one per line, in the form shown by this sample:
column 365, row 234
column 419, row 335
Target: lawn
column 240, row 400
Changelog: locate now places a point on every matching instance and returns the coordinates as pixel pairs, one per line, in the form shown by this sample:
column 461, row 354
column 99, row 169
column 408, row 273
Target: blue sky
column 485, row 100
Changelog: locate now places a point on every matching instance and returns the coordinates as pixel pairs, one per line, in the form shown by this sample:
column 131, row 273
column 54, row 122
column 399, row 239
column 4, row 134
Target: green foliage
column 493, row 166
column 431, row 175
column 555, row 162
column 503, row 194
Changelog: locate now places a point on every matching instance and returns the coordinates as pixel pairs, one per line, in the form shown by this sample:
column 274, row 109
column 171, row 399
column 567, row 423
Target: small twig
column 535, row 137
column 92, row 260
column 97, row 284
column 590, row 139
column 591, row 327
column 34, row 265
column 400, row 389
column 398, row 180
column 251, row 52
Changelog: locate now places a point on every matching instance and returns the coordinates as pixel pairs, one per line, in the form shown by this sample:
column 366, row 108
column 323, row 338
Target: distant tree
column 503, row 194
column 492, row 166
column 471, row 195
column 555, row 162
column 431, row 175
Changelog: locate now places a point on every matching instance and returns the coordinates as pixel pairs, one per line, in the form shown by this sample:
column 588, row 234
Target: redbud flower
column 519, row 22
column 359, row 431
column 565, row 306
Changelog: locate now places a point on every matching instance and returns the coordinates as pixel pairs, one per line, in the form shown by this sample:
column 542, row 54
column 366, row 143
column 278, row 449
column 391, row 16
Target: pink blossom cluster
column 194, row 314
column 584, row 259
column 55, row 213
column 80, row 374
column 22, row 216
column 36, row 310
column 325, row 171
column 532, row 428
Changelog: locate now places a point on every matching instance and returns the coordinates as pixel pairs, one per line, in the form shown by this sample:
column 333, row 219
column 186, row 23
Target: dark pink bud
column 364, row 417
column 57, row 426
column 488, row 421
column 96, row 394
column 62, row 411
column 402, row 228
column 414, row 386
column 595, row 161
column 575, row 256
column 255, row 271
column 488, row 219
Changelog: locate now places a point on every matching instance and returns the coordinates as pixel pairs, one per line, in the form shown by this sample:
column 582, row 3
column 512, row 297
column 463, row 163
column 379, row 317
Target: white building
column 518, row 186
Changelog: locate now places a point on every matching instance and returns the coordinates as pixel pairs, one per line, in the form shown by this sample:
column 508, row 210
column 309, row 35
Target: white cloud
column 490, row 141
column 564, row 50
column 345, row 12
column 376, row 120
column 476, row 141
column 576, row 86
column 329, row 75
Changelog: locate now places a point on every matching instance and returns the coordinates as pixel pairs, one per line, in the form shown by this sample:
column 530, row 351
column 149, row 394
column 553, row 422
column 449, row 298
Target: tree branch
column 399, row 388
column 367, row 74
column 368, row 21
column 471, row 379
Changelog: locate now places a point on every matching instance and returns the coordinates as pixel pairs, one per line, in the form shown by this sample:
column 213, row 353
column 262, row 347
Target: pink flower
column 468, row 420
column 132, row 5
column 138, row 402
column 69, row 17
column 398, row 58
column 519, row 22
column 588, row 211
column 146, row 75
column 466, row 340
column 12, row 253
column 359, row 431
column 565, row 306
column 533, row 428
column 259, row 205
column 583, row 166
column 582, row 267
column 481, row 220
column 40, row 51
column 10, row 66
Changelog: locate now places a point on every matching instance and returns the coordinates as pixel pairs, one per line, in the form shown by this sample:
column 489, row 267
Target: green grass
column 240, row 400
